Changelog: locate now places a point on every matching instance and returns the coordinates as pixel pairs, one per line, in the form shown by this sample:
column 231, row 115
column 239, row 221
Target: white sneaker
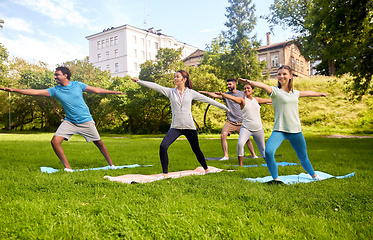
column 255, row 157
column 224, row 158
column 68, row 170
column 113, row 167
column 317, row 178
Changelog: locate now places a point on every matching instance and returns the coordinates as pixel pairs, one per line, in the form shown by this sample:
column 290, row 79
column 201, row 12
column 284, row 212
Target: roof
column 196, row 53
column 275, row 45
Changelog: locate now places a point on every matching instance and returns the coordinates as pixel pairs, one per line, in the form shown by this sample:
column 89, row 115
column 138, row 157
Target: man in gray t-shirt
column 234, row 117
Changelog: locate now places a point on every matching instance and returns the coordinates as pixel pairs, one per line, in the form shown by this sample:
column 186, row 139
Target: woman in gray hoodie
column 182, row 120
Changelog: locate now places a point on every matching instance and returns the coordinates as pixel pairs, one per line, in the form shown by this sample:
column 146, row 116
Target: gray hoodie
column 181, row 111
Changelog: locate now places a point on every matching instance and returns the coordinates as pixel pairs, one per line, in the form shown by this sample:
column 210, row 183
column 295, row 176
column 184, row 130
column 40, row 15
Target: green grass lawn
column 84, row 205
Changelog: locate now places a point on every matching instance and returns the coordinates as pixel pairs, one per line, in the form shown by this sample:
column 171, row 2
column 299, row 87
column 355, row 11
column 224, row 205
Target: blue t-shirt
column 71, row 98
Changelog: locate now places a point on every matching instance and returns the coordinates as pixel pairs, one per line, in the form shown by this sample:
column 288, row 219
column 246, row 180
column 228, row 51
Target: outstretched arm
column 238, row 100
column 98, row 90
column 263, row 100
column 312, row 94
column 265, row 87
column 31, row 92
column 156, row 87
column 211, row 94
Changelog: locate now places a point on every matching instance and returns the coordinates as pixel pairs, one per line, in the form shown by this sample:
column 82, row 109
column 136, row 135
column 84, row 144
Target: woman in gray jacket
column 182, row 120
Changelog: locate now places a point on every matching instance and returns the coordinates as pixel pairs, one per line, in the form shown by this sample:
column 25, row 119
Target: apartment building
column 121, row 50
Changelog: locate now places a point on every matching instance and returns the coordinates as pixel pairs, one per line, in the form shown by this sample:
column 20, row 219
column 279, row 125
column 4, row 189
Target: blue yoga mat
column 301, row 178
column 53, row 170
column 280, row 164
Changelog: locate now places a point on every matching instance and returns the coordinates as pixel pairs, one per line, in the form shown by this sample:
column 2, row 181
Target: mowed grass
column 84, row 205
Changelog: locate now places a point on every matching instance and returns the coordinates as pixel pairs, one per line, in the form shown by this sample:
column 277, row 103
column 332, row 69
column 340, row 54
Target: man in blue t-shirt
column 234, row 117
column 78, row 119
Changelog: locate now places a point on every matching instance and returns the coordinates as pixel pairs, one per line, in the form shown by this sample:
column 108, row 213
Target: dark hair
column 231, row 80
column 64, row 71
column 185, row 74
column 290, row 84
column 252, row 87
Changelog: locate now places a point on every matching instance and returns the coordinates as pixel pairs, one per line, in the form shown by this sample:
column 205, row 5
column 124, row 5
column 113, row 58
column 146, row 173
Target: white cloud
column 52, row 51
column 60, row 11
column 18, row 24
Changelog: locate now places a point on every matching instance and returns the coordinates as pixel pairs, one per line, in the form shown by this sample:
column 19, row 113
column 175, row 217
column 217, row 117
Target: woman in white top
column 251, row 123
column 287, row 122
column 182, row 120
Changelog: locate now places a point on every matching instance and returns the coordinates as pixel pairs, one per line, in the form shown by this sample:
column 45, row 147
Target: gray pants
column 245, row 134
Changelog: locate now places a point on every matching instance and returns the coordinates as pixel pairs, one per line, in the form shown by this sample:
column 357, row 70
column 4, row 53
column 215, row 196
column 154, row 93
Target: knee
column 163, row 148
column 224, row 135
column 54, row 141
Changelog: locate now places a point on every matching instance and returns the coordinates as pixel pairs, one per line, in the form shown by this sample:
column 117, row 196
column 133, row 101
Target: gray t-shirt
column 235, row 115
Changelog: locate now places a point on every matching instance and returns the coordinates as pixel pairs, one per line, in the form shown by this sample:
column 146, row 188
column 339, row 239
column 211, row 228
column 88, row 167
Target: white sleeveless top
column 251, row 115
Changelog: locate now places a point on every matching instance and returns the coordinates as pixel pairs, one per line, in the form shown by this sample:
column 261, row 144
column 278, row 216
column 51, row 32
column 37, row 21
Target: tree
column 3, row 66
column 234, row 53
column 337, row 32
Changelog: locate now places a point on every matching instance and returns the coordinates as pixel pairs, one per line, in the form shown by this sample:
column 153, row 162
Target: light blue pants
column 297, row 142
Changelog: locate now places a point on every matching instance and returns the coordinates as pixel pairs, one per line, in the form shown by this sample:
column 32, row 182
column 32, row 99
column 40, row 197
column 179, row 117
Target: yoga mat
column 53, row 170
column 217, row 158
column 280, row 164
column 138, row 178
column 245, row 157
column 301, row 178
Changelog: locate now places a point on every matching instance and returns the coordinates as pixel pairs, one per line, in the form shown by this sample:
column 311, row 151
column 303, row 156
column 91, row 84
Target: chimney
column 268, row 38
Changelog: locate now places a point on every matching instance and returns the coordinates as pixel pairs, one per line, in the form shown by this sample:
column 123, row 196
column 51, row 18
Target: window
column 149, row 56
column 301, row 67
column 134, row 40
column 98, row 57
column 149, row 43
column 99, row 68
column 107, row 55
column 156, row 46
column 297, row 65
column 134, row 52
column 116, row 40
column 169, row 43
column 143, row 54
column 103, row 43
column 98, row 44
column 111, row 41
column 143, row 41
column 108, row 67
column 295, row 49
column 117, row 67
column 116, row 53
column 107, row 42
column 135, row 66
column 274, row 60
column 292, row 63
column 262, row 58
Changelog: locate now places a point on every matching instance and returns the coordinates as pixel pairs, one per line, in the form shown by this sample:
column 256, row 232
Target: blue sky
column 54, row 31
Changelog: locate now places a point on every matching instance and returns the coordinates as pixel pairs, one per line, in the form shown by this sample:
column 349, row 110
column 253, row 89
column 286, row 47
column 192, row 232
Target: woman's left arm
column 263, row 100
column 312, row 94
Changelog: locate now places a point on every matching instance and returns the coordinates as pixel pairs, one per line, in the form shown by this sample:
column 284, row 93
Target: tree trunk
column 331, row 66
column 205, row 116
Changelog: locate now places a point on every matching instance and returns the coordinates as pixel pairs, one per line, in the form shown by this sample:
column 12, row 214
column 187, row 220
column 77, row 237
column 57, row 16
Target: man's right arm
column 31, row 92
column 211, row 94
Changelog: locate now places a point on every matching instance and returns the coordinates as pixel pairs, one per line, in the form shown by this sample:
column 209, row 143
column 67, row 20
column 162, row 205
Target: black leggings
column 171, row 136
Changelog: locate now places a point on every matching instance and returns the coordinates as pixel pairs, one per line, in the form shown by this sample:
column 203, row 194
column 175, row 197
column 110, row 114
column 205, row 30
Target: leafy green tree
column 337, row 32
column 241, row 60
column 3, row 66
column 234, row 52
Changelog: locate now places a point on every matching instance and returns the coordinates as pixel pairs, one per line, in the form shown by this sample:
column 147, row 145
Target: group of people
column 243, row 116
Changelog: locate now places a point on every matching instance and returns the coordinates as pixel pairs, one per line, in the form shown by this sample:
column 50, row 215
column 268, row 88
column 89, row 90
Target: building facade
column 284, row 53
column 121, row 50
